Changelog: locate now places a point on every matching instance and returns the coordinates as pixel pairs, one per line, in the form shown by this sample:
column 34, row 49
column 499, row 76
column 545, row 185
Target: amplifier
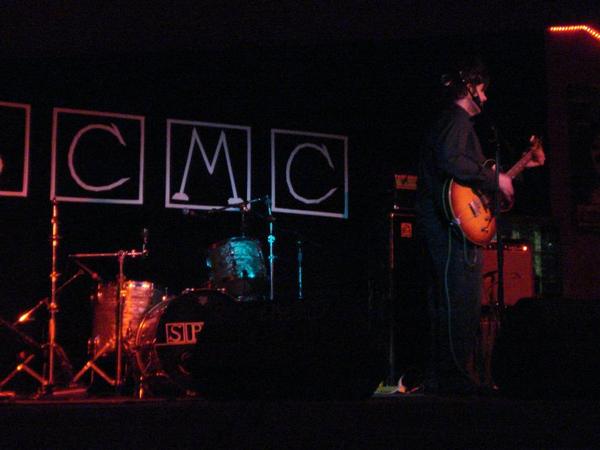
column 518, row 273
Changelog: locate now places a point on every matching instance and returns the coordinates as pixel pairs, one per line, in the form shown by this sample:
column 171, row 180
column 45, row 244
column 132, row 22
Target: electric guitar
column 473, row 210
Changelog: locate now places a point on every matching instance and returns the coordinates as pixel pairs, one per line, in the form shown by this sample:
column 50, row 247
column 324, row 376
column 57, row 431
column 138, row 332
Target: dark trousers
column 453, row 272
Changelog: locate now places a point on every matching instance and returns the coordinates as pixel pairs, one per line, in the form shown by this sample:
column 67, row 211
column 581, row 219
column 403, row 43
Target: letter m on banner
column 208, row 164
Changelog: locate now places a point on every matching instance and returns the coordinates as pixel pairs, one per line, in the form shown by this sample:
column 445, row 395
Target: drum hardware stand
column 53, row 307
column 271, row 240
column 91, row 365
column 118, row 379
column 25, row 356
column 48, row 384
column 244, row 208
column 301, row 240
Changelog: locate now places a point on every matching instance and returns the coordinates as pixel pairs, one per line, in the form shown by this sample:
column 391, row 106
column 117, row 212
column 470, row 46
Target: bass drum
column 167, row 337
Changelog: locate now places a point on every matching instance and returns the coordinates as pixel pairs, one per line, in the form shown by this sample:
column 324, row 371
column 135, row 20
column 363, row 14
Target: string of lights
column 574, row 28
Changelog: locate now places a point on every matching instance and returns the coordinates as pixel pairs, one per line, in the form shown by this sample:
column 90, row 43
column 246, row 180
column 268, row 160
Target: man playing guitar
column 453, row 262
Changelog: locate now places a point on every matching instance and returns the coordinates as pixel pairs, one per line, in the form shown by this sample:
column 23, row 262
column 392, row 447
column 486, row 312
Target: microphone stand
column 497, row 209
column 499, row 240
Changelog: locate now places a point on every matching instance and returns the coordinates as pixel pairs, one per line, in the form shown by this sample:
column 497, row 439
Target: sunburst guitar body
column 472, row 211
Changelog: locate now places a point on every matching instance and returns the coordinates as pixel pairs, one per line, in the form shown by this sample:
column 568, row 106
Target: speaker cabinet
column 408, row 308
column 518, row 273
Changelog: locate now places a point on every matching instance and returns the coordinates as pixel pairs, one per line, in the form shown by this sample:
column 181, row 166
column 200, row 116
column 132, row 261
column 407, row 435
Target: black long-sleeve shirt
column 452, row 150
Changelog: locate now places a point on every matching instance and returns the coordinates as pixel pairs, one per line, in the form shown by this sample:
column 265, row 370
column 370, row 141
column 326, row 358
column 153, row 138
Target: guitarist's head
column 466, row 83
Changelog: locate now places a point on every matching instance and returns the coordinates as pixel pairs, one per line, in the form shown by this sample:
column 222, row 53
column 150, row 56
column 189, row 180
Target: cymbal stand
column 33, row 345
column 26, row 357
column 48, row 382
column 117, row 381
column 271, row 241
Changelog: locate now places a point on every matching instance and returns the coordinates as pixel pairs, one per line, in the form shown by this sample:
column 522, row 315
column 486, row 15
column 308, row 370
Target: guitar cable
column 461, row 370
column 470, row 264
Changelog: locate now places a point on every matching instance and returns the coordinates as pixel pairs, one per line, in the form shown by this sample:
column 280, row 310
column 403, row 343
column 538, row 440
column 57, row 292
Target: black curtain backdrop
column 380, row 95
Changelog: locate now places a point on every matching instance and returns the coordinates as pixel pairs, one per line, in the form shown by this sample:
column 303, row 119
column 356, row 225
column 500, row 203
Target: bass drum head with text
column 167, row 336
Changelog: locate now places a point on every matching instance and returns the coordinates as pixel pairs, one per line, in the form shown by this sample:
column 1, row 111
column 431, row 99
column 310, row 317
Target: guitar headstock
column 536, row 152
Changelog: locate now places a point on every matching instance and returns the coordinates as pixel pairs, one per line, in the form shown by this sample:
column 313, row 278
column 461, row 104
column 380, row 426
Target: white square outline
column 83, row 112
column 306, row 212
column 248, row 130
column 25, row 186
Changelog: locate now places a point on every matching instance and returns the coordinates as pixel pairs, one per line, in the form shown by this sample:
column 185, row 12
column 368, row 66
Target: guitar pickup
column 475, row 207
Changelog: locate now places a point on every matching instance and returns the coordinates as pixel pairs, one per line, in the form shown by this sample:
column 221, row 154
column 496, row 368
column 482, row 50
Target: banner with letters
column 99, row 157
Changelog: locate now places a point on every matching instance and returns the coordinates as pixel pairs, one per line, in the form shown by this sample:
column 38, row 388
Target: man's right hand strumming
column 506, row 188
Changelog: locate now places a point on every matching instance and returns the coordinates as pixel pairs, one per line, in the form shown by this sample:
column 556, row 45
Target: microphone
column 476, row 98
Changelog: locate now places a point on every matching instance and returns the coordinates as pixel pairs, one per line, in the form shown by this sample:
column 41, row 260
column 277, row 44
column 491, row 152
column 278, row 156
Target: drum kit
column 140, row 334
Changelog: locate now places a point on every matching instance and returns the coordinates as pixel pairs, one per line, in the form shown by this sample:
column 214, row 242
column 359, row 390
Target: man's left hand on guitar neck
column 538, row 157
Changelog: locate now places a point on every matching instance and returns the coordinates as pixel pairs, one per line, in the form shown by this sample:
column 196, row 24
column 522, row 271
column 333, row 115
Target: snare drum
column 139, row 297
column 237, row 265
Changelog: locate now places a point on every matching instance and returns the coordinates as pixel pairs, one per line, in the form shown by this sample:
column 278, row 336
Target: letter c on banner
column 115, row 132
column 309, row 201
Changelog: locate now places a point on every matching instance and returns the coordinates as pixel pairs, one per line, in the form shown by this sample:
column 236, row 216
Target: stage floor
column 382, row 421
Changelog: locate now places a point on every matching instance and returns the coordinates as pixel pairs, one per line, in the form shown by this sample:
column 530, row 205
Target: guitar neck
column 520, row 165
